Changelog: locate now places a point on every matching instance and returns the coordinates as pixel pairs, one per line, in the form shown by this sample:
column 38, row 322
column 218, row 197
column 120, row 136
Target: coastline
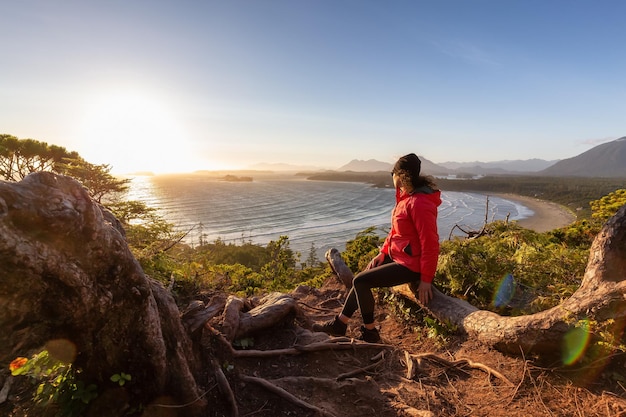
column 547, row 214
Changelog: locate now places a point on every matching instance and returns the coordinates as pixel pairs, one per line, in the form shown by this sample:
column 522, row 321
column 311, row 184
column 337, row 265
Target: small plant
column 58, row 383
column 412, row 314
column 438, row 330
column 244, row 343
column 228, row 367
column 121, row 378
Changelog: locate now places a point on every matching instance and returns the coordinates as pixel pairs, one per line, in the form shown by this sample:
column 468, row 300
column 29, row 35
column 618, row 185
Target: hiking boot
column 334, row 327
column 369, row 335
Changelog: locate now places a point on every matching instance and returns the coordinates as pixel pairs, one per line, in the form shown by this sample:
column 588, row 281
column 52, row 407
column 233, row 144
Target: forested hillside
column 573, row 193
column 607, row 160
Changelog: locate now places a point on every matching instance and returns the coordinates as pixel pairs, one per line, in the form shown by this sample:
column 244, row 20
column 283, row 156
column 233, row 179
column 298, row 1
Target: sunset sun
column 133, row 132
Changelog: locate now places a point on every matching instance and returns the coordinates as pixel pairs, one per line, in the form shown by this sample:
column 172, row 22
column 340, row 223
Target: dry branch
column 338, row 343
column 410, row 358
column 411, row 365
column 324, row 310
column 472, row 234
column 286, row 395
column 358, row 371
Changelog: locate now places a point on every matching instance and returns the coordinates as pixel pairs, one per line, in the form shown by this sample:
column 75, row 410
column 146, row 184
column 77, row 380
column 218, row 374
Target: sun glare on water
column 135, row 133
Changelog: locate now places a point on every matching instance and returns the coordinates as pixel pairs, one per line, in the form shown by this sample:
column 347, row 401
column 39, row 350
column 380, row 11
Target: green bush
column 360, row 250
column 543, row 268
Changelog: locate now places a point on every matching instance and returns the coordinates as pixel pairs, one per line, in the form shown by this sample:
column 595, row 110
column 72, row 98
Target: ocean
column 313, row 214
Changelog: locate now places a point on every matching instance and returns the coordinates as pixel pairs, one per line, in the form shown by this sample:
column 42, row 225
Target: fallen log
column 274, row 308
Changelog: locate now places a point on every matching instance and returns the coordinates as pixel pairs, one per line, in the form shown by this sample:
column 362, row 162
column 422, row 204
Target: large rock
column 68, row 281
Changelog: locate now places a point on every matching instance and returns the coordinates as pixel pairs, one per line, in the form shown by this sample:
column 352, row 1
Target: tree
column 20, row 157
column 97, row 178
column 608, row 205
column 311, row 260
column 146, row 231
column 279, row 270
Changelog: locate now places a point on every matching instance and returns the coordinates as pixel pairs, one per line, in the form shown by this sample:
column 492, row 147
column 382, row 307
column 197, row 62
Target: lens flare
column 62, row 349
column 575, row 343
column 505, row 291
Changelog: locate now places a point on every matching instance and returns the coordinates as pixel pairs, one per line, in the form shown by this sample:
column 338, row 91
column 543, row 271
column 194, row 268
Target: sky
column 181, row 85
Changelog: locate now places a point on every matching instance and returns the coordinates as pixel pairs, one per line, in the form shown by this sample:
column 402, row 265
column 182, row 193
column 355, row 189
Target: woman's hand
column 425, row 292
column 377, row 261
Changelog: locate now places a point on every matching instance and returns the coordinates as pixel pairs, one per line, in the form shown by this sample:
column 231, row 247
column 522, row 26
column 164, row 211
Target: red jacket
column 413, row 240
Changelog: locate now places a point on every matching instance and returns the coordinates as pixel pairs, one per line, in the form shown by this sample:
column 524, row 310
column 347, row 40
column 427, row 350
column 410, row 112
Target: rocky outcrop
column 68, row 281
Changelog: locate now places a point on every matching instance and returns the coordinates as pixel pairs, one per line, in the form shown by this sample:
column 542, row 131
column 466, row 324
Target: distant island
column 234, row 178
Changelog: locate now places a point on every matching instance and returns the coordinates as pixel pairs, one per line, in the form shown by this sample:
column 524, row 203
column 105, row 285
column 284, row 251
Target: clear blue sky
column 207, row 84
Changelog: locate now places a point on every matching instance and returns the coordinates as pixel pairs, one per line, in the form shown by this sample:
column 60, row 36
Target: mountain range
column 455, row 168
column 607, row 160
column 518, row 165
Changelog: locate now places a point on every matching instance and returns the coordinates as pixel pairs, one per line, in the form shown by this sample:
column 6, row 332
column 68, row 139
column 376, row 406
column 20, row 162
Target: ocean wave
column 311, row 213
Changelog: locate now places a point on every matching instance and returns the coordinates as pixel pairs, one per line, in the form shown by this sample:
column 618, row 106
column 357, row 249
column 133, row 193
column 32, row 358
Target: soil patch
column 415, row 371
column 452, row 376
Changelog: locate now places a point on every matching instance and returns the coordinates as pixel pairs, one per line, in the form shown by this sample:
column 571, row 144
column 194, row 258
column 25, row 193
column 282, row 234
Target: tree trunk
column 601, row 296
column 69, row 282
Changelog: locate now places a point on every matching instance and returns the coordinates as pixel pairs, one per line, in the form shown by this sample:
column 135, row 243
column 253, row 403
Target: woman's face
column 396, row 180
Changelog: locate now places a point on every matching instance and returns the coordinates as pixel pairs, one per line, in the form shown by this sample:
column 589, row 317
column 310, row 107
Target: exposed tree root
column 225, row 389
column 413, row 361
column 326, row 310
column 4, row 392
column 232, row 311
column 196, row 314
column 336, row 343
column 359, row 371
column 286, row 395
column 273, row 310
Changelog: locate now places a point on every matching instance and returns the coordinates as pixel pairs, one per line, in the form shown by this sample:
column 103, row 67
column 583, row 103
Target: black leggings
column 389, row 274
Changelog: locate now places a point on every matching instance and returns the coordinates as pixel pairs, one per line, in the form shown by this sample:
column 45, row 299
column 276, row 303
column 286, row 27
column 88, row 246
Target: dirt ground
column 341, row 377
column 452, row 377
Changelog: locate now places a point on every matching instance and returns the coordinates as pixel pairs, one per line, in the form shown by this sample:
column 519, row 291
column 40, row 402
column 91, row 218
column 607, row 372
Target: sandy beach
column 548, row 215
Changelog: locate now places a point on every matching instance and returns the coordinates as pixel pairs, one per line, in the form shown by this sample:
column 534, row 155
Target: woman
column 409, row 253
